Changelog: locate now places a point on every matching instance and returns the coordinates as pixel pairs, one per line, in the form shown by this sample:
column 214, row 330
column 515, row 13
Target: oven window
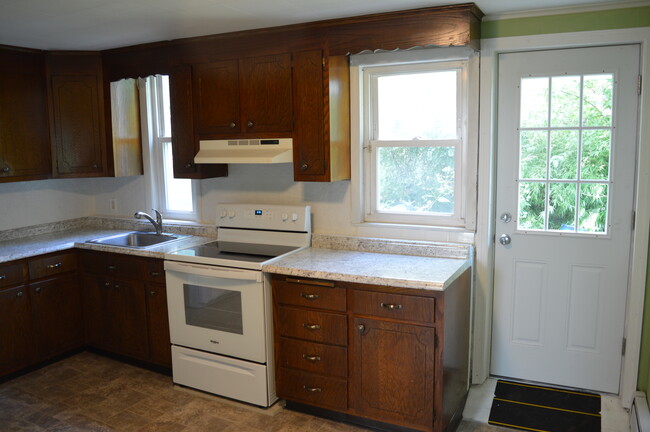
column 213, row 308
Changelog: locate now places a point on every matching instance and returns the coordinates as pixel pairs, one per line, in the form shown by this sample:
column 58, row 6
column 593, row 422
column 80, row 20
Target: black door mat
column 544, row 409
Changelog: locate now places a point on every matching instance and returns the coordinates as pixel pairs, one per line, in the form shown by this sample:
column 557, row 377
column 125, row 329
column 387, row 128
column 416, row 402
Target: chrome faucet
column 157, row 224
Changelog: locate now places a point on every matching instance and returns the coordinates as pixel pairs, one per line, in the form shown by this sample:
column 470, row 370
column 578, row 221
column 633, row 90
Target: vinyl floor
column 91, row 393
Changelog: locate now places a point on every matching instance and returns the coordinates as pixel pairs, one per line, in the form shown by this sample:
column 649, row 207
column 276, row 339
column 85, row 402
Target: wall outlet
column 113, row 205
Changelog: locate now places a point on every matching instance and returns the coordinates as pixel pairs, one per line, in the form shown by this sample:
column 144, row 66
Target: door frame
column 485, row 244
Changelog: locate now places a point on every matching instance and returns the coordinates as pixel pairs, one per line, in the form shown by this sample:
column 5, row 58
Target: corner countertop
column 405, row 271
column 76, row 238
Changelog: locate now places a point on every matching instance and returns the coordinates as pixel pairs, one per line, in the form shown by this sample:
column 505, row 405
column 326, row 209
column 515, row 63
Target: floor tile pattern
column 92, row 393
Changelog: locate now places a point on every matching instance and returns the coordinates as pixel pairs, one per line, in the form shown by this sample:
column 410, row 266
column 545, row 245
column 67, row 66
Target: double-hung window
column 175, row 198
column 413, row 140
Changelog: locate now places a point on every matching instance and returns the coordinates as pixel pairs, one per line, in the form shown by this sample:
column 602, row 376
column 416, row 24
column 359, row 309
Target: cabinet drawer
column 314, row 357
column 309, row 293
column 312, row 325
column 52, row 265
column 12, row 274
column 155, row 271
column 115, row 265
column 397, row 306
column 314, row 389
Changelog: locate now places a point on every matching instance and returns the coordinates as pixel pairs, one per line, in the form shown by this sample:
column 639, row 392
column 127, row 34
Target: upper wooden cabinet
column 77, row 119
column 24, row 144
column 321, row 99
column 243, row 97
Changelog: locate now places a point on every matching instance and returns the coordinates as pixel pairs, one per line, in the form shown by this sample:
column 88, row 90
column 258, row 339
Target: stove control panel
column 264, row 216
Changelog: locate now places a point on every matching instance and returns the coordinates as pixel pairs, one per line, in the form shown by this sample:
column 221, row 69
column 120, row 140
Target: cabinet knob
column 250, row 124
column 54, row 266
column 233, row 125
column 111, row 267
column 154, row 273
column 95, row 166
column 304, row 167
column 107, row 284
column 6, row 169
column 390, row 306
column 361, row 327
column 117, row 286
column 312, row 389
column 3, row 277
column 309, row 296
column 152, row 293
column 311, row 326
column 188, row 165
column 20, row 294
column 311, row 358
column 37, row 289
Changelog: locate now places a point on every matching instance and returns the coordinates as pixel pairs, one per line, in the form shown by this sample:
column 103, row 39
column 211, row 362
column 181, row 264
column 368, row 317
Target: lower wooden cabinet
column 160, row 349
column 395, row 356
column 15, row 329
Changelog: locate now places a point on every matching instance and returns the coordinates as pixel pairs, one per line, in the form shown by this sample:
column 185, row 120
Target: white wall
column 37, row 202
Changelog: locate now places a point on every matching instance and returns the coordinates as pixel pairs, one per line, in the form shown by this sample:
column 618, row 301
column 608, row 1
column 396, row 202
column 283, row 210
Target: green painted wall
column 573, row 22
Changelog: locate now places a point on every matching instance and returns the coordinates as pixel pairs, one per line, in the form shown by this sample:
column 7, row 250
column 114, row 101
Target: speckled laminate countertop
column 61, row 240
column 406, row 271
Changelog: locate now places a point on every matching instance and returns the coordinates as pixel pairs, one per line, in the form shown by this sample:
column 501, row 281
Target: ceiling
column 103, row 24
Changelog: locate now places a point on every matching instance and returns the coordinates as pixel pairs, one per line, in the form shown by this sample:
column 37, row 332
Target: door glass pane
column 534, row 102
column 594, row 162
column 565, row 101
column 562, row 206
column 416, row 179
column 213, row 308
column 597, row 100
column 532, row 205
column 593, row 207
column 417, row 106
column 532, row 164
column 564, row 155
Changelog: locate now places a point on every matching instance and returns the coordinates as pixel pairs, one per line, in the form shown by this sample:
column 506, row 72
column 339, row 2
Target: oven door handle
column 210, row 271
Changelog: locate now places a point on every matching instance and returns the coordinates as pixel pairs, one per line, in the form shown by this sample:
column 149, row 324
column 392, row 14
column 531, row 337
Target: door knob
column 505, row 239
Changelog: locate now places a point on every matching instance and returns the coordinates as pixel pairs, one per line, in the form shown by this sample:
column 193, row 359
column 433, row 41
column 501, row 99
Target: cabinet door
column 129, row 319
column 15, row 329
column 56, row 312
column 184, row 143
column 77, row 125
column 397, row 389
column 158, row 322
column 97, row 298
column 215, row 91
column 24, row 143
column 266, row 104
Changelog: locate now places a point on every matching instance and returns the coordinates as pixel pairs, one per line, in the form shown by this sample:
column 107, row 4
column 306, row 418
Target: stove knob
column 285, row 216
column 294, row 217
column 223, row 214
column 231, row 214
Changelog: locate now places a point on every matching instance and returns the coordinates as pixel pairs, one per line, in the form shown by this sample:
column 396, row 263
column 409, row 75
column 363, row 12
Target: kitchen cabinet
column 184, row 143
column 24, row 142
column 15, row 329
column 243, row 97
column 374, row 355
column 321, row 99
column 125, row 306
column 77, row 114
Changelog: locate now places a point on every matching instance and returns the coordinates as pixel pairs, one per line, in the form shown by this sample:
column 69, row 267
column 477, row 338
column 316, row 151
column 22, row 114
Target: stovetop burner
column 248, row 252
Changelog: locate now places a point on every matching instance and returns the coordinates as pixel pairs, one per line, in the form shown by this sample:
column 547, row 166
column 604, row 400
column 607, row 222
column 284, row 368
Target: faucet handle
column 158, row 216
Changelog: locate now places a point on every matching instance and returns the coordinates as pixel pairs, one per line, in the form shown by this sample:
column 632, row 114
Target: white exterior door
column 567, row 122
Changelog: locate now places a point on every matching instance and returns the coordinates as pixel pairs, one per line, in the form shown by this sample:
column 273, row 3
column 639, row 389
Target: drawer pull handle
column 391, row 306
column 309, row 296
column 311, row 358
column 111, row 267
column 107, row 284
column 312, row 389
column 54, row 266
column 154, row 273
column 311, row 282
column 311, row 326
column 3, row 277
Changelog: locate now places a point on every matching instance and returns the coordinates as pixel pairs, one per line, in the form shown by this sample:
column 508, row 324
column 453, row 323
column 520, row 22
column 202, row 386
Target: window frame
column 157, row 144
column 365, row 68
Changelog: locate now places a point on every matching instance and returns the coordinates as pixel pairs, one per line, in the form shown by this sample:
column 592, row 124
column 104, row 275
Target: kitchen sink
column 137, row 239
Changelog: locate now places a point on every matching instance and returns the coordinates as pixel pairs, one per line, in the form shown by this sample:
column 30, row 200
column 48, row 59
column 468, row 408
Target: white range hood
column 251, row 151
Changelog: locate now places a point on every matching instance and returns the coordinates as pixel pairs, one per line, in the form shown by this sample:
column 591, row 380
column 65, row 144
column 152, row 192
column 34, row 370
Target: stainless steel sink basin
column 137, row 239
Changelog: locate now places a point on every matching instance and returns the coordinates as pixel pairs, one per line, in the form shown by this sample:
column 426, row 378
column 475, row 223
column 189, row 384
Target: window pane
column 562, row 206
column 593, row 207
column 166, row 126
column 532, row 205
column 597, row 104
column 417, row 106
column 532, row 163
column 178, row 192
column 564, row 155
column 565, row 101
column 415, row 179
column 534, row 102
column 594, row 163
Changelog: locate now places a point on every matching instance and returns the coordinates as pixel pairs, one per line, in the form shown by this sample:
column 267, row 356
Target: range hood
column 251, row 151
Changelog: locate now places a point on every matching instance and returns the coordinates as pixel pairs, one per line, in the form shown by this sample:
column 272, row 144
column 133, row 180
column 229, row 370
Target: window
column 413, row 141
column 175, row 198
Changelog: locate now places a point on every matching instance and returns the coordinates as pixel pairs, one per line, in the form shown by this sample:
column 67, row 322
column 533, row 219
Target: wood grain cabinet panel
column 13, row 274
column 16, row 349
column 314, row 357
column 51, row 265
column 310, row 293
column 394, row 306
column 24, row 141
column 215, row 92
column 158, row 325
column 313, row 325
column 314, row 389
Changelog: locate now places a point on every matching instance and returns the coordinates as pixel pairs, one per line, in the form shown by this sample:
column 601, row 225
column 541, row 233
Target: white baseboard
column 640, row 414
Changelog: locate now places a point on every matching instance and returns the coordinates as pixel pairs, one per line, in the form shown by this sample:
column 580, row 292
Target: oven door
column 217, row 309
